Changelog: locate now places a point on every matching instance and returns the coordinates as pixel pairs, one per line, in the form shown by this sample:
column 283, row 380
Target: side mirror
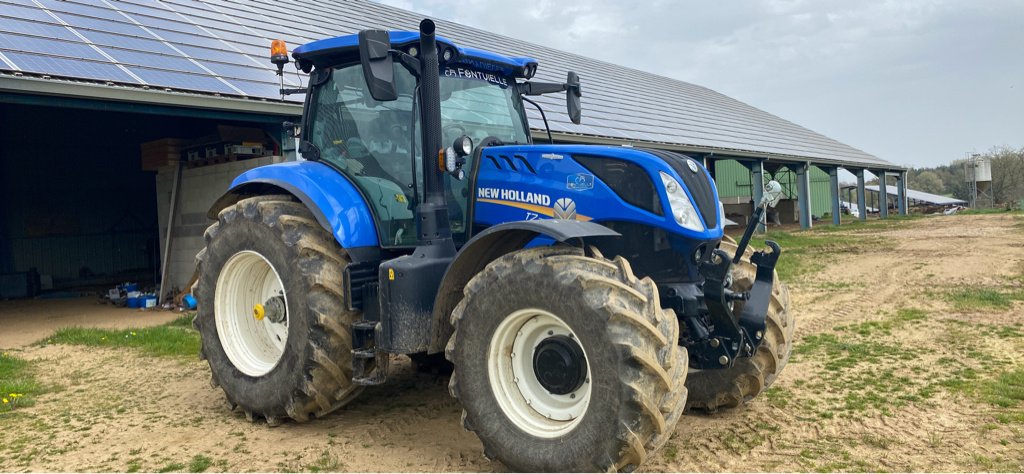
column 572, row 97
column 378, row 67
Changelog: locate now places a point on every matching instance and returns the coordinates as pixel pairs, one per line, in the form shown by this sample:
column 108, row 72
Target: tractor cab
column 377, row 143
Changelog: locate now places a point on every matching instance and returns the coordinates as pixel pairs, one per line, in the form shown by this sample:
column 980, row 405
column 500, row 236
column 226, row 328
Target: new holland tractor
column 585, row 295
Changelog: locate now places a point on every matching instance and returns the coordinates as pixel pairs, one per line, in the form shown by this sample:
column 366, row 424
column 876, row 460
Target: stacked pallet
column 162, row 153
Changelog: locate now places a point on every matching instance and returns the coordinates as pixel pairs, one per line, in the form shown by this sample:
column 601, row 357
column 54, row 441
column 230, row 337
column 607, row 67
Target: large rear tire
column 729, row 388
column 289, row 357
column 593, row 313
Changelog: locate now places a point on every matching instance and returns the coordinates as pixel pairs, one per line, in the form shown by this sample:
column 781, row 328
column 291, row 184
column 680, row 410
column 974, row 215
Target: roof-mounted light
column 278, row 53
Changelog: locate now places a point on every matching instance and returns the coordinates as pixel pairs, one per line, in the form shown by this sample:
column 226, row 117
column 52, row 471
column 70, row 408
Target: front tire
column 617, row 387
column 274, row 327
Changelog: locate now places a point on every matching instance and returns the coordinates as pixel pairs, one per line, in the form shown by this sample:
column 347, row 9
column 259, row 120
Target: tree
column 927, row 181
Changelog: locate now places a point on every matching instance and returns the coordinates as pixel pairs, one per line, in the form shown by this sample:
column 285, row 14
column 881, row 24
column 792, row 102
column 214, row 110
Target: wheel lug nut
column 572, row 395
column 551, row 333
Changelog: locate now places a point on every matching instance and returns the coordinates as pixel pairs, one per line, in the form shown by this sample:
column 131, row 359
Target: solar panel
column 70, row 67
column 12, row 42
column 44, row 30
column 181, row 80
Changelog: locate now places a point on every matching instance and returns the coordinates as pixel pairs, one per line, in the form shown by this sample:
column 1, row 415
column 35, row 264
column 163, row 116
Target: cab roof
column 343, row 49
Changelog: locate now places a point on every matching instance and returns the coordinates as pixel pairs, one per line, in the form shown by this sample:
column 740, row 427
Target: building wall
column 733, row 180
column 200, row 188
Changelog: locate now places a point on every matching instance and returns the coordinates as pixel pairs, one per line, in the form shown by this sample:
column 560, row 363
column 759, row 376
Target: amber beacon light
column 278, row 53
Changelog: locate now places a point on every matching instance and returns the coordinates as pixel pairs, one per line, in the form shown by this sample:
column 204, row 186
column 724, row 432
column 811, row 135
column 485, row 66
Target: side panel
column 331, row 196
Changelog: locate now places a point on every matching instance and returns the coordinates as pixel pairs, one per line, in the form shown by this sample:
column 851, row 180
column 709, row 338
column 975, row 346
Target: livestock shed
column 120, row 116
column 920, row 200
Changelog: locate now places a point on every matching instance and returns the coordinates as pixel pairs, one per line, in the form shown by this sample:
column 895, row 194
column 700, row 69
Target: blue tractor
column 586, row 296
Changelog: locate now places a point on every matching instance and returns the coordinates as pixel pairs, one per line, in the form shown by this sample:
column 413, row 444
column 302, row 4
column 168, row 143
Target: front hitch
column 727, row 336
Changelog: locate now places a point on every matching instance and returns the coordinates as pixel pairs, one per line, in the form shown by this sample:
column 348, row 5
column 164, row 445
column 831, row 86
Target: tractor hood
column 599, row 183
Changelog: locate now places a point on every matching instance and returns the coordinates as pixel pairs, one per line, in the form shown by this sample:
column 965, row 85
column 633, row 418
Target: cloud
column 916, row 82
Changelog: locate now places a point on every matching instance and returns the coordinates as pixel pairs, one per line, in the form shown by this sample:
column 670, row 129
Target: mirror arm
column 540, row 88
column 410, row 63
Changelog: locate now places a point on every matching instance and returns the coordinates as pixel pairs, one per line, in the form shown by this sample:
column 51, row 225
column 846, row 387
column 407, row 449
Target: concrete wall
column 200, row 187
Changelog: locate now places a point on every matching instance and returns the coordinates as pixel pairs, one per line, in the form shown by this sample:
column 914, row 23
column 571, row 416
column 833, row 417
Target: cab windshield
column 376, row 144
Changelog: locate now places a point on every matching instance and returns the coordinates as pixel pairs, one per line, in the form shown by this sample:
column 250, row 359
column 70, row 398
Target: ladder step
column 365, row 325
column 364, row 353
column 368, row 381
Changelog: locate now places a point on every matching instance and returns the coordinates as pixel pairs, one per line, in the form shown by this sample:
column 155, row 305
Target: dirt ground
column 875, row 384
column 27, row 321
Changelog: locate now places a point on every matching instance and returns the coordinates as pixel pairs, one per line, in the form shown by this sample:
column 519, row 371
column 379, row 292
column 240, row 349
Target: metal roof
column 919, row 196
column 220, row 48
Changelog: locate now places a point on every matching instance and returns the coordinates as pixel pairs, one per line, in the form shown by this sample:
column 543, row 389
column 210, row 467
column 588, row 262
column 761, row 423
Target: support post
column 757, row 191
column 862, row 204
column 833, row 184
column 803, row 187
column 883, row 196
column 901, row 191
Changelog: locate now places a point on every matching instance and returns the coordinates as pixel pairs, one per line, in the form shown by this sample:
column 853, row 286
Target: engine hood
column 602, row 183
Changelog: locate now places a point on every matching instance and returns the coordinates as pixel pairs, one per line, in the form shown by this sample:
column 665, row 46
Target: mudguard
column 487, row 246
column 330, row 196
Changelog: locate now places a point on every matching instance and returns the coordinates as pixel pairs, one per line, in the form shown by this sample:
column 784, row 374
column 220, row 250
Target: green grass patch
column 1006, row 390
column 983, row 298
column 172, row 467
column 174, row 339
column 199, row 463
column 18, row 386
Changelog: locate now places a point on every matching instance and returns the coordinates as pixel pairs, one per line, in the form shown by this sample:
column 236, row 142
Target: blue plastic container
column 131, row 287
column 135, row 302
column 190, row 301
column 149, row 301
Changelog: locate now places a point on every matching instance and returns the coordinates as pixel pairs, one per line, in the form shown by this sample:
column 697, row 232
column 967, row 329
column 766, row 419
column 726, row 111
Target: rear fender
column 333, row 199
column 488, row 246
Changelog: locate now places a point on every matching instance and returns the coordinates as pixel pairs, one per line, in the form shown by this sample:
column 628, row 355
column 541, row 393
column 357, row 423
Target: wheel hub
column 539, row 372
column 559, row 364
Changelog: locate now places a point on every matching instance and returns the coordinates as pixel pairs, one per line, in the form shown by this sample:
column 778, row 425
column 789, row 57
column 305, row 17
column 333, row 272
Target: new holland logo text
column 514, row 195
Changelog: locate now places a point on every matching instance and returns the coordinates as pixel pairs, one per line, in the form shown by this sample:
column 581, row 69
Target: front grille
column 628, row 180
column 701, row 187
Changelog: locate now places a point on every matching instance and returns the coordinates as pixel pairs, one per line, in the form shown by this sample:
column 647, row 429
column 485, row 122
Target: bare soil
column 872, row 386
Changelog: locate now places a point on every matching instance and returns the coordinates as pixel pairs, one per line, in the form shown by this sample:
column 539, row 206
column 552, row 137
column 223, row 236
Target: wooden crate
column 160, row 153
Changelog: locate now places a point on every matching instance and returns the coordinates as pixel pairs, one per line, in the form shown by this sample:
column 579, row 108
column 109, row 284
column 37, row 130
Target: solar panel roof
column 221, row 47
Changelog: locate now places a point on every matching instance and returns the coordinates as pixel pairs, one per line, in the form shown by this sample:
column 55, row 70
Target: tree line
column 950, row 180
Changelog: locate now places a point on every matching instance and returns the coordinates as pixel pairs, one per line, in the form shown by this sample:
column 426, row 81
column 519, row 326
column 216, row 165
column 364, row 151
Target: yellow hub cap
column 258, row 312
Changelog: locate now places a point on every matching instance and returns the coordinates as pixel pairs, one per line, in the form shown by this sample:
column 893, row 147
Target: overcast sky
column 911, row 81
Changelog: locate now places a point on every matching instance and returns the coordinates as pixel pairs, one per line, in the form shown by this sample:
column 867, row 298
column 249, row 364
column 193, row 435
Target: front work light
column 680, row 205
column 463, row 145
column 278, row 53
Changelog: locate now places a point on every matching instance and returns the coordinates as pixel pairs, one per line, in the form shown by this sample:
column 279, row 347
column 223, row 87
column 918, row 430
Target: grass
column 199, row 463
column 174, row 339
column 967, row 299
column 18, row 386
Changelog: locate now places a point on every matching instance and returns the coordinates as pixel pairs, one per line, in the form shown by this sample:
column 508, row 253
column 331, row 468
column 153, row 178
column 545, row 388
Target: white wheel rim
column 519, row 393
column 253, row 345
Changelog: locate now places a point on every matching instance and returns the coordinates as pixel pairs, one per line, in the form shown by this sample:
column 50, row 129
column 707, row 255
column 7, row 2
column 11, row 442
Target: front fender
column 330, row 196
column 488, row 246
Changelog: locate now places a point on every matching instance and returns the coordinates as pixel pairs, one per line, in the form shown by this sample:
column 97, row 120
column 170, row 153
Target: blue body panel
column 557, row 176
column 346, row 47
column 328, row 191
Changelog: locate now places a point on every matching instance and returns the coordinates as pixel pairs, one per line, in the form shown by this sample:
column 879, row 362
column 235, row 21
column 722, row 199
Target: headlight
column 680, row 205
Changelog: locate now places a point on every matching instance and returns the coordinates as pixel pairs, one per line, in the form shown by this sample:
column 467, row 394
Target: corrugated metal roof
column 220, row 47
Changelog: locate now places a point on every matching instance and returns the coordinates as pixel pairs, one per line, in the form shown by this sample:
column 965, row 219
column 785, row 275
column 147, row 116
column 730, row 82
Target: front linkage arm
column 726, row 336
